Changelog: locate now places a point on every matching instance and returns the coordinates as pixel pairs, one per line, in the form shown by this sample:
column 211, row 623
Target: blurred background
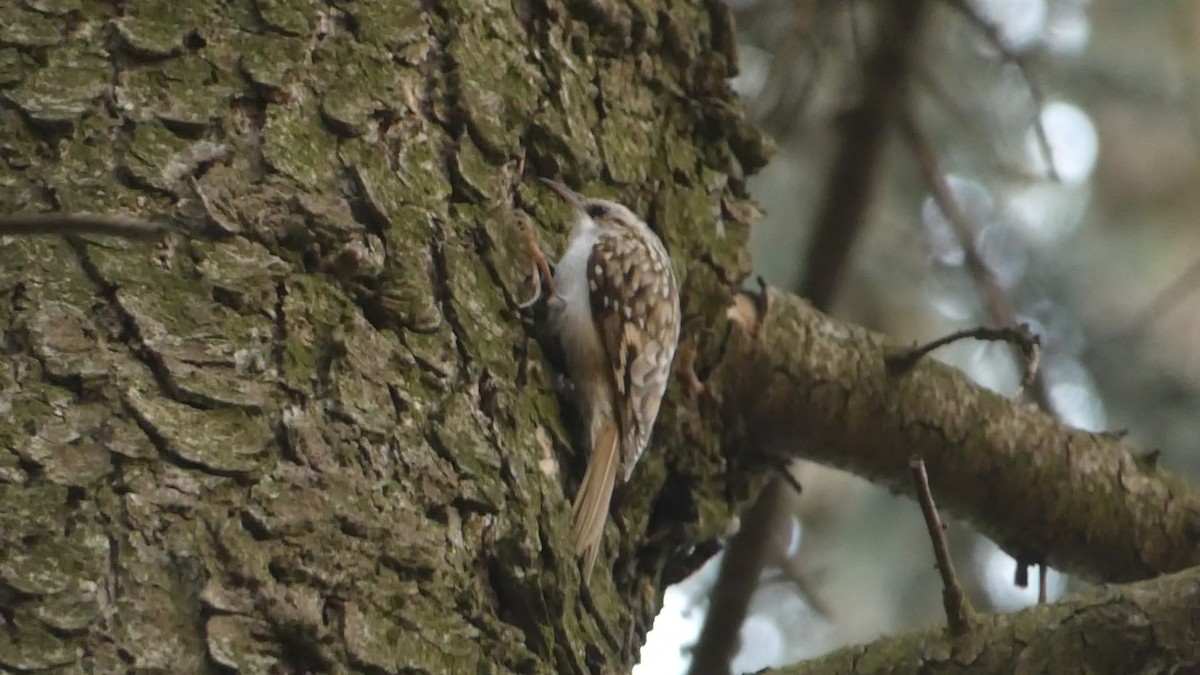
column 1097, row 251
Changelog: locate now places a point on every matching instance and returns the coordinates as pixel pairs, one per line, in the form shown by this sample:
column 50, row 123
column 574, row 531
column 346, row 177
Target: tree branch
column 804, row 384
column 958, row 609
column 740, row 571
column 1124, row 630
column 55, row 223
column 852, row 177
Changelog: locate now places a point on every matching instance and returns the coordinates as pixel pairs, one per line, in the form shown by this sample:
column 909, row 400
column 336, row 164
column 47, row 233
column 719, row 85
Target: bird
column 615, row 310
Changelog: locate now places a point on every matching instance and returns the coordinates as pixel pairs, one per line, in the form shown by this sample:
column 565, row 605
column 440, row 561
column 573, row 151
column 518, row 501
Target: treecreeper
column 614, row 307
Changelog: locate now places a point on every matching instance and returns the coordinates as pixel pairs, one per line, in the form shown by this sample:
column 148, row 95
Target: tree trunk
column 314, row 433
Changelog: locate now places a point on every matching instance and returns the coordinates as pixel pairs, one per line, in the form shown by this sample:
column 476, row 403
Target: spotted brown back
column 635, row 305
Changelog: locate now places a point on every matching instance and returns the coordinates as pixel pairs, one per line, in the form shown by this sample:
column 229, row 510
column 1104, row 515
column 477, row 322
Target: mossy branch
column 812, row 387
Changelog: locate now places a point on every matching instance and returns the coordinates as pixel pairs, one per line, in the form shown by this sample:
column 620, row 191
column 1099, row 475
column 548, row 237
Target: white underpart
column 571, row 275
column 573, row 322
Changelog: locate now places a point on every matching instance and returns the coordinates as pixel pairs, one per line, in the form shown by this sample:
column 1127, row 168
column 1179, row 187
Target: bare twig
column 1019, row 336
column 80, row 223
column 958, row 610
column 999, row 305
column 1035, row 92
column 1042, row 583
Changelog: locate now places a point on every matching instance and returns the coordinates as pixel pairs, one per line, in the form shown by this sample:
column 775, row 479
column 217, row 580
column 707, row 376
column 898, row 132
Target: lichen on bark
column 315, row 433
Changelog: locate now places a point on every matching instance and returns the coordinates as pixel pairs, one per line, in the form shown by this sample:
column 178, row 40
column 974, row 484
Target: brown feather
column 619, row 337
column 590, row 510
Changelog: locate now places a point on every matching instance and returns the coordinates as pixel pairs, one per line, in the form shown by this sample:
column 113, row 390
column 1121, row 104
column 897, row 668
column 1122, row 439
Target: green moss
column 297, row 144
column 245, row 272
column 37, row 400
column 151, row 151
column 407, row 291
column 393, row 27
column 30, row 511
column 185, row 90
column 630, row 125
column 67, row 347
column 13, row 66
column 348, row 108
column 65, row 88
column 30, row 29
column 409, row 189
column 458, row 429
column 293, row 17
column 477, row 177
column 497, row 89
column 48, row 566
column 406, row 294
column 209, row 369
column 359, row 383
column 69, row 612
column 439, row 642
column 567, row 142
column 27, row 646
column 312, row 308
column 82, row 178
column 360, row 81
column 486, row 324
column 150, row 37
column 272, row 62
column 162, row 302
column 414, row 176
column 55, row 7
column 233, row 442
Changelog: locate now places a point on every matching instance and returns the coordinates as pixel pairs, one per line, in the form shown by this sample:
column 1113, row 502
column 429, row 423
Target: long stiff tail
column 590, row 509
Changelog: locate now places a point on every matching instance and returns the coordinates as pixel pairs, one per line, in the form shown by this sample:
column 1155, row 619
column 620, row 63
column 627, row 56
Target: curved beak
column 568, row 195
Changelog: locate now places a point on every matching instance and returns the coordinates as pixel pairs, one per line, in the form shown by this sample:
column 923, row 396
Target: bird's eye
column 596, row 210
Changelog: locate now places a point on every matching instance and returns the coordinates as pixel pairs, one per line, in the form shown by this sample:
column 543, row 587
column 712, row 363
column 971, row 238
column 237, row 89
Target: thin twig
column 80, row 223
column 1042, row 583
column 999, row 306
column 1019, row 336
column 958, row 609
column 1035, row 92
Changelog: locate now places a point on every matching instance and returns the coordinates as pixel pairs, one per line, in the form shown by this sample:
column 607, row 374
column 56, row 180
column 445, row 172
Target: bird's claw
column 542, row 274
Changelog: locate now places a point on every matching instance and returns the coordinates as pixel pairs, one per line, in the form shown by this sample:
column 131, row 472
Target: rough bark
column 315, row 434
